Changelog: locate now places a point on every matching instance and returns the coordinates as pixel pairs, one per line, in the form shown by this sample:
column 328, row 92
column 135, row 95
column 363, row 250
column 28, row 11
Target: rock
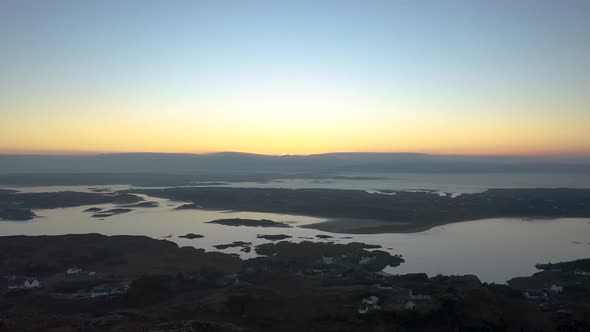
column 321, row 236
column 191, row 236
column 16, row 214
column 92, row 209
column 249, row 223
column 233, row 245
column 273, row 237
column 364, row 245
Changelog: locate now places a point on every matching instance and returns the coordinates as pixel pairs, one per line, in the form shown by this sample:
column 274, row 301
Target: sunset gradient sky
column 299, row 77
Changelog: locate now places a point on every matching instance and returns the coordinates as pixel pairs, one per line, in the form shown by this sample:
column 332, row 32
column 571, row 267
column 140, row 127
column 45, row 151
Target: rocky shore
column 20, row 206
column 361, row 212
column 132, row 283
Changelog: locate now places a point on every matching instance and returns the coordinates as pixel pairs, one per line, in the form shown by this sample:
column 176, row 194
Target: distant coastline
column 356, row 211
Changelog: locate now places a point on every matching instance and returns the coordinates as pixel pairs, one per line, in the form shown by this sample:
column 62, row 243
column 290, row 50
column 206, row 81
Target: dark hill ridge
column 225, row 162
column 405, row 211
column 245, row 222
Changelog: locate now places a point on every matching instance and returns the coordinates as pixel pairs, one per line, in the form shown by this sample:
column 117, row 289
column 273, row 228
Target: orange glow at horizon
column 178, row 136
column 295, row 118
column 257, row 78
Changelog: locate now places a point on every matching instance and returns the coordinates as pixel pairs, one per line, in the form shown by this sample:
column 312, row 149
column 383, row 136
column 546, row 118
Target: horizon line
column 75, row 153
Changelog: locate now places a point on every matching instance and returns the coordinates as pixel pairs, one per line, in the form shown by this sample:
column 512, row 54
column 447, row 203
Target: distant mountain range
column 320, row 163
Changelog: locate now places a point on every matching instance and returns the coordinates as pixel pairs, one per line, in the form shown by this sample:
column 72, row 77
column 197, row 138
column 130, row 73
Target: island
column 191, row 236
column 358, row 212
column 249, row 222
column 273, row 237
column 93, row 209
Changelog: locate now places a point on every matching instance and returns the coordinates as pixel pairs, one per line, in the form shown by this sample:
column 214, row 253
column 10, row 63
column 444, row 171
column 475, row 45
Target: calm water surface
column 493, row 249
column 448, row 182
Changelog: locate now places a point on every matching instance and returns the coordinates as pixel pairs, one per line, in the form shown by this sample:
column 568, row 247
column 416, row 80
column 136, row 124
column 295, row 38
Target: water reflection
column 493, row 249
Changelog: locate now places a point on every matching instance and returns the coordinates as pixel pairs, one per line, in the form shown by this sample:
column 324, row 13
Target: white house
column 372, row 300
column 363, row 309
column 555, row 288
column 328, row 260
column 108, row 290
column 23, row 283
column 419, row 295
column 366, row 260
column 410, row 305
column 73, row 270
column 384, row 286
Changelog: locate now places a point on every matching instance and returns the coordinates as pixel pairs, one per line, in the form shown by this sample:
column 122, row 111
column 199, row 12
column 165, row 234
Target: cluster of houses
column 418, row 299
column 582, row 273
column 540, row 294
column 17, row 282
column 399, row 299
column 101, row 290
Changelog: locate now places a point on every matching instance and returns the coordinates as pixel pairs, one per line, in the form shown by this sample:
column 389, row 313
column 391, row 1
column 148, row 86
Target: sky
column 295, row 77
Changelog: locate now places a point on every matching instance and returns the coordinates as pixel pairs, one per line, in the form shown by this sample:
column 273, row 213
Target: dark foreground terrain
column 131, row 283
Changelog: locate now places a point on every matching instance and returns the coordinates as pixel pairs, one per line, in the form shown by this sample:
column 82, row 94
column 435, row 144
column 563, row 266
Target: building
column 420, row 294
column 555, row 288
column 23, row 283
column 410, row 305
column 369, row 304
column 366, row 260
column 108, row 290
column 535, row 295
column 328, row 260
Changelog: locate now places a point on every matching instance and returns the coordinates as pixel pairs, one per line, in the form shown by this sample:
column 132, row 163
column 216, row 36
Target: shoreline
column 371, row 226
column 161, row 282
column 366, row 226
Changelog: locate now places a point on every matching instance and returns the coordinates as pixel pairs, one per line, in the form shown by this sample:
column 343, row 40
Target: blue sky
column 362, row 64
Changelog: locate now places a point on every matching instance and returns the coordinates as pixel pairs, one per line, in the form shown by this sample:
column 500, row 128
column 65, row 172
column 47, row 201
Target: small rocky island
column 246, row 246
column 191, row 236
column 249, row 223
column 273, row 237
